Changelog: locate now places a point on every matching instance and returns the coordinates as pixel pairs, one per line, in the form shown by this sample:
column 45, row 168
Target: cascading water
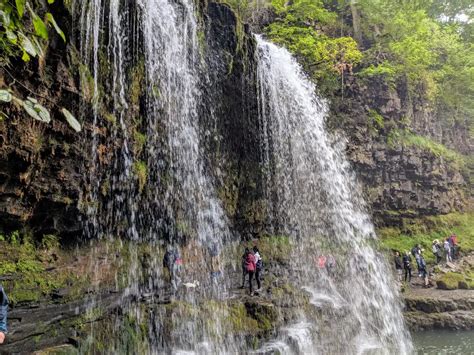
column 310, row 192
column 178, row 203
column 313, row 197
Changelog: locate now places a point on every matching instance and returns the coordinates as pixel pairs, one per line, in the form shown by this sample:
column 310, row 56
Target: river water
column 442, row 342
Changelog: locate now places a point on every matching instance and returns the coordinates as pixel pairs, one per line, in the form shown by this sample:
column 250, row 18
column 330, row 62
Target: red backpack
column 250, row 262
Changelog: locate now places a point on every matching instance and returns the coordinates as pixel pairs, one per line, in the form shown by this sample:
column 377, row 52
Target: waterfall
column 172, row 62
column 310, row 192
column 178, row 207
column 313, row 197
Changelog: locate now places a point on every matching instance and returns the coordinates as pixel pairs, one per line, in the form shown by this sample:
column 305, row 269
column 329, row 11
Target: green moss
column 137, row 76
column 450, row 281
column 410, row 139
column 140, row 169
column 256, row 212
column 239, row 319
column 109, row 117
column 275, row 247
column 140, row 141
column 424, row 230
column 87, row 83
column 32, row 268
column 375, row 120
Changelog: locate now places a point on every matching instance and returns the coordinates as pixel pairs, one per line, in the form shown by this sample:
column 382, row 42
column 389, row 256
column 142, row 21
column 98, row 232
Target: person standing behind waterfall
column 244, row 269
column 258, row 267
column 3, row 314
column 398, row 265
column 172, row 262
column 407, row 266
column 250, row 267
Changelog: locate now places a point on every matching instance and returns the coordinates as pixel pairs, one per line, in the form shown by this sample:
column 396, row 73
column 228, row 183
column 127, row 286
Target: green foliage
column 411, row 139
column 384, row 70
column 23, row 32
column 424, row 230
column 140, row 169
column 423, row 43
column 376, row 120
column 140, row 141
column 33, row 108
column 300, row 29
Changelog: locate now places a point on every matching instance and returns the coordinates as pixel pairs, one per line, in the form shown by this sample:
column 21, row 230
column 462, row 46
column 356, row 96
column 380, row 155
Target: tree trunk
column 356, row 21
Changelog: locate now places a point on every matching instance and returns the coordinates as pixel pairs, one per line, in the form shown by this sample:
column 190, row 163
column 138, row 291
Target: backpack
column 250, row 262
column 259, row 264
column 435, row 248
column 414, row 251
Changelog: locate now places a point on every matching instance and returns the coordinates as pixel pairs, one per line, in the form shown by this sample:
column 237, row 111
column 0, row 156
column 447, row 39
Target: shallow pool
column 444, row 342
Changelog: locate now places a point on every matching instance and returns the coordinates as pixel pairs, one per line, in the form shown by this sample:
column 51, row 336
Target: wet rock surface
column 438, row 308
column 400, row 181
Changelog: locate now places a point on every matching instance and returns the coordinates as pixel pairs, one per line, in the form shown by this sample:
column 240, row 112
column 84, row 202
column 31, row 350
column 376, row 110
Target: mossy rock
column 264, row 313
column 450, row 281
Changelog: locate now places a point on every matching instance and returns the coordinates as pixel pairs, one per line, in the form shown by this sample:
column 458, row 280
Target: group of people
column 449, row 249
column 3, row 314
column 327, row 263
column 252, row 266
column 403, row 265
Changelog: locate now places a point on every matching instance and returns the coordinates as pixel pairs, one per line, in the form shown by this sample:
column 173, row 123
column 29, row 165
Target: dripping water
column 313, row 197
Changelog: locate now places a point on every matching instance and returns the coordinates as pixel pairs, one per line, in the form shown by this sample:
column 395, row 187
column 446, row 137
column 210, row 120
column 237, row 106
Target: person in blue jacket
column 3, row 314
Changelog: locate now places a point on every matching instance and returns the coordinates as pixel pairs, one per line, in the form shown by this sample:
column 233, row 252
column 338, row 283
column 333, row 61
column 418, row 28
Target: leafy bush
column 23, row 31
column 299, row 28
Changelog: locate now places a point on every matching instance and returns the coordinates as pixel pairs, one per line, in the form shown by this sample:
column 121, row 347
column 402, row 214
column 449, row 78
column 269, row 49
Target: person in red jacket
column 250, row 267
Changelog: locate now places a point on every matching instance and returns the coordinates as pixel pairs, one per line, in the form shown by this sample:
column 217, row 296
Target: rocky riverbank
column 439, row 309
column 449, row 304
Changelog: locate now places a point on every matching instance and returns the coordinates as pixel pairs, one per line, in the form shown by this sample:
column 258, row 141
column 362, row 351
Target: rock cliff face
column 401, row 178
column 41, row 165
column 44, row 168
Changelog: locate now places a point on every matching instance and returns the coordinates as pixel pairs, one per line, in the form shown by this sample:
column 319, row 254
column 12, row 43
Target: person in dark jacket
column 398, row 265
column 244, row 269
column 423, row 270
column 3, row 314
column 407, row 266
column 436, row 249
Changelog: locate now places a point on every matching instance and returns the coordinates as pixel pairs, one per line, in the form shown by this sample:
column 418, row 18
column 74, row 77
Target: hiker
column 407, row 266
column 424, row 272
column 172, row 262
column 454, row 246
column 416, row 253
column 322, row 262
column 398, row 265
column 330, row 265
column 3, row 314
column 258, row 267
column 447, row 250
column 244, row 269
column 250, row 267
column 436, row 249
